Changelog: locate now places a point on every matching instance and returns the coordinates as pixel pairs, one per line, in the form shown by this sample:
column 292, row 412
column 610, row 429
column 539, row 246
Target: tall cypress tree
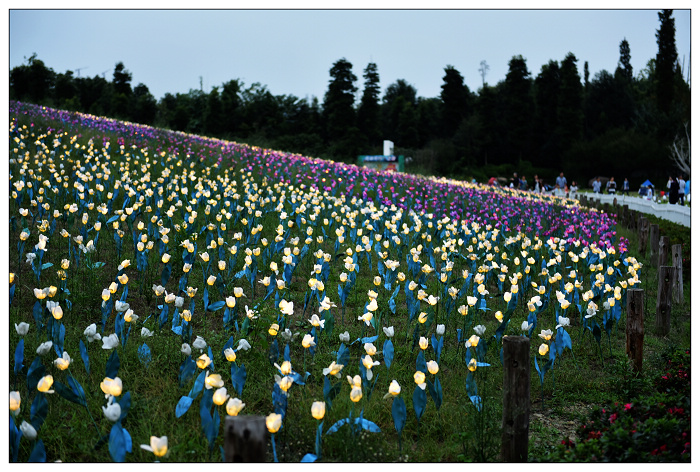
column 666, row 59
column 624, row 66
column 519, row 109
column 338, row 105
column 455, row 100
column 368, row 112
column 570, row 106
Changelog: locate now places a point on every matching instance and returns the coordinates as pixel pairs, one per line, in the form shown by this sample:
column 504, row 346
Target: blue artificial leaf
column 274, row 353
column 19, row 356
column 38, row 453
column 77, row 389
column 39, row 410
column 112, row 369
column 35, row 373
column 238, row 378
column 388, row 352
column 117, row 444
column 127, row 440
column 330, row 392
column 187, row 370
column 15, row 437
column 309, row 458
column 420, row 362
column 368, row 339
column 49, row 264
column 84, row 355
column 343, row 357
column 337, row 425
column 125, row 404
column 198, row 385
column 144, row 354
column 476, row 400
column 398, row 412
column 368, row 425
column 420, row 400
column 183, row 405
column 216, row 306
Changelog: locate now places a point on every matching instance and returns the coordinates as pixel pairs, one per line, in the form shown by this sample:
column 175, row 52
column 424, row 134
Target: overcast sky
column 292, row 51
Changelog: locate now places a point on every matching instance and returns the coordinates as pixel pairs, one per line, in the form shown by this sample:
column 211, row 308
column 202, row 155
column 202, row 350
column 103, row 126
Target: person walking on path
column 611, row 186
column 561, row 181
column 681, row 190
column 596, row 185
column 673, row 190
column 626, row 187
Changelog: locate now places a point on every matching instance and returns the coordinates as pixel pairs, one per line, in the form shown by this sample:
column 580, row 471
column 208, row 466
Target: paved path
column 675, row 213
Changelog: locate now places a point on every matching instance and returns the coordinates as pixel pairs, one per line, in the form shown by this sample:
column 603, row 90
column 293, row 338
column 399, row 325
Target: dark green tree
column 213, row 125
column 666, row 60
column 339, row 101
column 519, row 110
column 570, row 106
column 31, row 82
column 368, row 111
column 397, row 112
column 546, row 93
column 144, row 105
column 121, row 87
column 230, row 107
column 455, row 101
column 624, row 66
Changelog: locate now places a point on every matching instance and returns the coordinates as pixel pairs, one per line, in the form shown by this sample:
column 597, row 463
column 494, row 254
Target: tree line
column 616, row 123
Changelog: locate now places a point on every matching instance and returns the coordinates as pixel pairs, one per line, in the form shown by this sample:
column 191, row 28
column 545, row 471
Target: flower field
column 161, row 281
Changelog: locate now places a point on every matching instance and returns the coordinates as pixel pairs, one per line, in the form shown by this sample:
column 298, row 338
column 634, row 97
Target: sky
column 291, row 51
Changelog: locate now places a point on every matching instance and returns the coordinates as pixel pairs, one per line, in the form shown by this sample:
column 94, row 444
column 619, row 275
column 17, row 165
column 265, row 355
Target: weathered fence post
column 625, row 216
column 635, row 327
column 663, row 251
column 654, row 245
column 516, row 398
column 245, row 439
column 677, row 262
column 643, row 235
column 663, row 300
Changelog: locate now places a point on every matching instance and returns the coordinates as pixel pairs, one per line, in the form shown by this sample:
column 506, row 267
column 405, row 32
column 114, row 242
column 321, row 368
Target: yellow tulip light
column 318, row 410
column 45, row 384
column 433, row 367
column 394, row 389
column 544, row 349
column 111, row 386
column 220, row 396
column 234, row 406
column 419, row 379
column 15, row 401
column 203, row 361
column 158, row 446
column 273, row 422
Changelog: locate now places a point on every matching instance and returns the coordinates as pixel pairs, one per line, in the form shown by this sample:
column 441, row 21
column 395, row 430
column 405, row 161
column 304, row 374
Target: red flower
column 628, row 406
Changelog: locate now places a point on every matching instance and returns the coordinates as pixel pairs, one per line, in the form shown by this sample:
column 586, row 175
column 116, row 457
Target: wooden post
column 663, row 251
column 643, row 235
column 625, row 216
column 663, row 300
column 245, row 439
column 654, row 245
column 635, row 327
column 516, row 398
column 677, row 262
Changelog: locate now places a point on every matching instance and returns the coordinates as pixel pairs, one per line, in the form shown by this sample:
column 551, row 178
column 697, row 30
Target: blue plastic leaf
column 112, row 369
column 183, row 405
column 117, row 444
column 77, row 389
column 198, row 385
column 35, row 373
column 309, row 458
column 84, row 355
column 398, row 412
column 343, row 357
column 125, row 404
column 144, row 354
column 420, row 362
column 39, row 410
column 65, row 392
column 420, row 400
column 187, row 370
column 238, row 377
column 38, row 453
column 216, row 306
column 368, row 425
column 19, row 356
column 388, row 352
column 337, row 425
